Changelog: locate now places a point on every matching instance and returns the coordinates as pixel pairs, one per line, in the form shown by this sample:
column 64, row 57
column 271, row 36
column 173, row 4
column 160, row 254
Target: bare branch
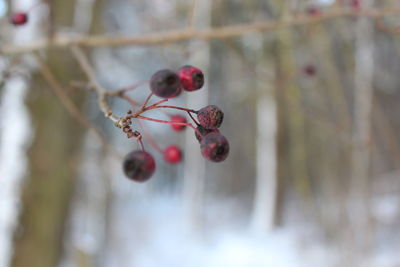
column 70, row 106
column 88, row 70
column 189, row 33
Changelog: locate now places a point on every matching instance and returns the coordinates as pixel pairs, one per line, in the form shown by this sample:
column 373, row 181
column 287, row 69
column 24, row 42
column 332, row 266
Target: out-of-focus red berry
column 19, row 18
column 173, row 154
column 355, row 4
column 314, row 11
column 191, row 78
column 180, row 119
column 309, row 70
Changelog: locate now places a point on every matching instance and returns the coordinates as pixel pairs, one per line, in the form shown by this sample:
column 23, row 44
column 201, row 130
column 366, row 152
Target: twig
column 69, row 105
column 102, row 93
column 189, row 33
column 125, row 90
column 192, row 16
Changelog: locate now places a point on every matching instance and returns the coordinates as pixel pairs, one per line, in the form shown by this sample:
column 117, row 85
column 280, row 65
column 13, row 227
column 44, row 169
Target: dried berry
column 173, row 154
column 204, row 132
column 191, row 78
column 139, row 165
column 210, row 117
column 19, row 18
column 214, row 147
column 165, row 83
column 180, row 119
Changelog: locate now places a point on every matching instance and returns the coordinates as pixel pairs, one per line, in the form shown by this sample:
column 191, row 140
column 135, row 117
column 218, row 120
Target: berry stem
column 170, row 122
column 156, row 104
column 151, row 140
column 139, row 140
column 193, row 119
column 146, row 101
column 175, row 107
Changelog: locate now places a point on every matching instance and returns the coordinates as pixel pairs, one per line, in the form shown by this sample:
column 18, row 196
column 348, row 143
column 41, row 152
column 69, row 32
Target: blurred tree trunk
column 53, row 158
column 361, row 156
column 291, row 131
column 194, row 172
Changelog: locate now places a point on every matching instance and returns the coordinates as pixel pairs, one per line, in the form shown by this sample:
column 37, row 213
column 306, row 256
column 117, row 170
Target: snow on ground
column 14, row 139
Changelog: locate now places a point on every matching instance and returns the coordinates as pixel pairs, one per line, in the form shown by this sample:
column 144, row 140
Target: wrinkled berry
column 214, row 147
column 19, row 18
column 210, row 117
column 204, row 132
column 191, row 78
column 165, row 83
column 139, row 165
column 180, row 119
column 173, row 154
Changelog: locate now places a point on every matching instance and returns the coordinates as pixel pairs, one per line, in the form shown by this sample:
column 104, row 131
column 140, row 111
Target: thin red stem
column 139, row 140
column 170, row 122
column 190, row 115
column 147, row 101
column 156, row 104
column 175, row 107
column 151, row 140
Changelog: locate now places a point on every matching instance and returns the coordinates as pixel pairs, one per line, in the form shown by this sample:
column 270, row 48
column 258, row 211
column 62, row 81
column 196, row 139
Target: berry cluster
column 139, row 165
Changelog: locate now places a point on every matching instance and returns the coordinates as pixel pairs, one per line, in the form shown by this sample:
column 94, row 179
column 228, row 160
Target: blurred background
column 311, row 114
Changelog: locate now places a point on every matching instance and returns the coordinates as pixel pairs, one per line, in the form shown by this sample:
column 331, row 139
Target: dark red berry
column 214, row 147
column 165, row 83
column 191, row 78
column 310, row 70
column 19, row 18
column 180, row 119
column 204, row 132
column 210, row 117
column 139, row 165
column 173, row 154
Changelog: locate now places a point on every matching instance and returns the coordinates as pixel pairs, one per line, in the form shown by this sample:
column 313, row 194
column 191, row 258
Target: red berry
column 214, row 147
column 139, row 165
column 165, row 83
column 204, row 132
column 180, row 119
column 355, row 4
column 313, row 11
column 310, row 70
column 19, row 18
column 191, row 78
column 173, row 154
column 210, row 117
